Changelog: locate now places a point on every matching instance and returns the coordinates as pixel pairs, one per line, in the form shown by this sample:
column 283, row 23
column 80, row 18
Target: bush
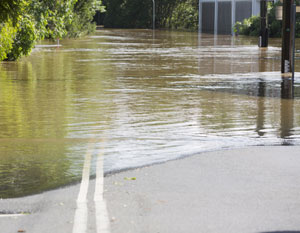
column 249, row 27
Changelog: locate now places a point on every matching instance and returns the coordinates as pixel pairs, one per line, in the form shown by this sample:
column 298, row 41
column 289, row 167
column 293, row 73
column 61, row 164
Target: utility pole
column 216, row 17
column 264, row 32
column 200, row 17
column 288, row 37
column 153, row 15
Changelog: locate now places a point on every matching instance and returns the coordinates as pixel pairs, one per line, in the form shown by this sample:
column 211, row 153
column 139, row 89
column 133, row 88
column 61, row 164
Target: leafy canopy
column 23, row 22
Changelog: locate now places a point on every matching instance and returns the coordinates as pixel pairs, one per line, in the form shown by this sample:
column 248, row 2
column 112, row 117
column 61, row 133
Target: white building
column 219, row 16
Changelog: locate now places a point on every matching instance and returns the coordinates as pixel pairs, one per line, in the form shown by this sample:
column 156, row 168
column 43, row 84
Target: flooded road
column 139, row 98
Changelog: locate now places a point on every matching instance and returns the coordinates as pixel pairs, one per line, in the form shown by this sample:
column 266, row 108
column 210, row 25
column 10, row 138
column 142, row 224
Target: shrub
column 249, row 27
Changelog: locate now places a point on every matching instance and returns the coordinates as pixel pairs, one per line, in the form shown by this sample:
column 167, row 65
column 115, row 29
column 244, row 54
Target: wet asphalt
column 255, row 189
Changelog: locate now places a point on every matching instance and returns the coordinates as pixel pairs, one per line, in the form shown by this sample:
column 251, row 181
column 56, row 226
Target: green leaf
column 131, row 178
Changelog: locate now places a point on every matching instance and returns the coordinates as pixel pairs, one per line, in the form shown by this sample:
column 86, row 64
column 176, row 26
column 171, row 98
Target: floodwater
column 137, row 98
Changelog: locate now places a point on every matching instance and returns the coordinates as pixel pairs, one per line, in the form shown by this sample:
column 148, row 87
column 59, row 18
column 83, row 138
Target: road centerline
column 101, row 213
column 81, row 213
column 102, row 219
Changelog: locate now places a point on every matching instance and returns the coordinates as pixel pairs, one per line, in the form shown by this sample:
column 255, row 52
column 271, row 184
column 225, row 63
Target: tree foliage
column 164, row 10
column 7, row 34
column 10, row 16
column 24, row 40
column 11, row 10
column 51, row 17
column 22, row 22
column 184, row 16
column 249, row 27
column 84, row 12
column 180, row 14
column 128, row 13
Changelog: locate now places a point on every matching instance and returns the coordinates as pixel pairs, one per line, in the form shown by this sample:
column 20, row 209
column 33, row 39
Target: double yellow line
column 81, row 213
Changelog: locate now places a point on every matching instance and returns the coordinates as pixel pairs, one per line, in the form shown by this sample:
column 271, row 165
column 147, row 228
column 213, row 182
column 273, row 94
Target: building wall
column 228, row 13
column 224, row 18
column 208, row 17
column 243, row 10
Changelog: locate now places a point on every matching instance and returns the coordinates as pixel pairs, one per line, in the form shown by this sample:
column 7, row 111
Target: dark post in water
column 288, row 36
column 264, row 34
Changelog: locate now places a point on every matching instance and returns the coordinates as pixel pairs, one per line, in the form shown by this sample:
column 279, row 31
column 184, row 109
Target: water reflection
column 261, row 108
column 287, row 88
column 152, row 97
column 287, row 108
column 46, row 166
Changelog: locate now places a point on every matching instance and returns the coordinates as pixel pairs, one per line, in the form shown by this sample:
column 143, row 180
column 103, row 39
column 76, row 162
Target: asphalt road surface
column 255, row 189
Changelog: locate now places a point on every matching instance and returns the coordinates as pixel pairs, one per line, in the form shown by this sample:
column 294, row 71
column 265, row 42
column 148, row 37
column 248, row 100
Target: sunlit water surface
column 138, row 98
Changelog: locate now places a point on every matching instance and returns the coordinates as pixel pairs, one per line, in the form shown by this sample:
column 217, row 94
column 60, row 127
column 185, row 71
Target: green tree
column 11, row 10
column 22, row 22
column 84, row 12
column 181, row 14
column 114, row 14
column 184, row 16
column 164, row 10
column 10, row 15
column 24, row 39
column 7, row 34
column 52, row 17
column 128, row 13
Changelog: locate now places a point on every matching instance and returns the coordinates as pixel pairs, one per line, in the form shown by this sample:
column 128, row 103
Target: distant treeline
column 180, row 14
column 23, row 22
column 176, row 14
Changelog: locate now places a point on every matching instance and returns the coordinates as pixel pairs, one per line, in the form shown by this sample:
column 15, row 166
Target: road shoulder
column 244, row 190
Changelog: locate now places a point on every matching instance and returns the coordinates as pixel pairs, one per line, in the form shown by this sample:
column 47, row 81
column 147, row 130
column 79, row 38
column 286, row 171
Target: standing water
column 139, row 99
